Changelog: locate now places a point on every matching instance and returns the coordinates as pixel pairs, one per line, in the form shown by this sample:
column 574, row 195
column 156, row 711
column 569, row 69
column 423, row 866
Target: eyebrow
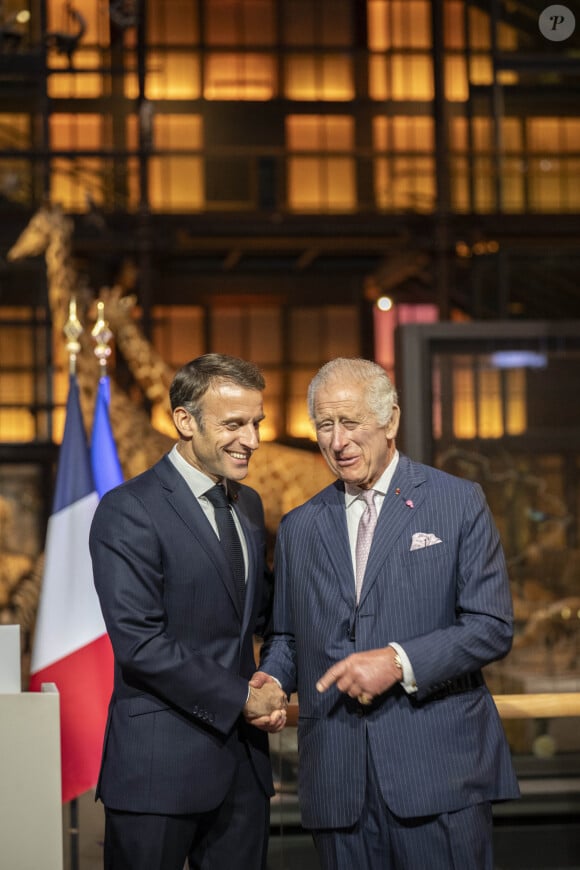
column 242, row 419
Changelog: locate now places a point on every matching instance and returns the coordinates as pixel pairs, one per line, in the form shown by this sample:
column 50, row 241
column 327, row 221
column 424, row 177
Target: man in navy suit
column 401, row 749
column 184, row 771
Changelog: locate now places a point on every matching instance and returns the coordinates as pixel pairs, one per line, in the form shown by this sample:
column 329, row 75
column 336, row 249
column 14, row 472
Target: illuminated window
column 320, row 178
column 511, row 133
column 254, row 333
column 15, row 173
column 404, row 179
column 552, row 173
column 513, row 192
column 24, row 382
column 400, row 77
column 479, row 28
column 176, row 184
column 171, row 75
column 544, row 134
column 515, row 410
column 456, row 85
column 453, row 12
column 324, row 23
column 319, row 77
column 239, row 22
column 412, row 77
column 459, row 185
column 76, row 178
column 488, row 402
column 177, row 132
column 315, row 336
column 545, row 185
column 172, row 23
column 176, row 181
column 248, row 76
column 88, row 21
column 398, row 23
column 14, row 132
column 484, row 177
column 411, row 23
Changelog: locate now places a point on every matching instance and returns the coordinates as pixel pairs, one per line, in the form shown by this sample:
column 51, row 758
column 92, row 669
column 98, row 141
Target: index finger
column 329, row 678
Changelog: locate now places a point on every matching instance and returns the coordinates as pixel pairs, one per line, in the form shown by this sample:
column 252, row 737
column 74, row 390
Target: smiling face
column 229, row 432
column 355, row 447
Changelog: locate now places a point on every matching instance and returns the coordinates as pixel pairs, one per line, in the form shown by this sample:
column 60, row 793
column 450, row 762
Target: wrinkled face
column 230, row 432
column 355, row 447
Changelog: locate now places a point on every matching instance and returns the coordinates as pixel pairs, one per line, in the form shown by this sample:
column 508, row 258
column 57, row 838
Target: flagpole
column 73, row 330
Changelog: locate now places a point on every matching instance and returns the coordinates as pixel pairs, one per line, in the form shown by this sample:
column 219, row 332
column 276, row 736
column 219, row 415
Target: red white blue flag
column 71, row 647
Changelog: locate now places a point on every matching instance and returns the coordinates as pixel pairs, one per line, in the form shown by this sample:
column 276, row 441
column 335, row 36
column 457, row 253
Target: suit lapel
column 184, row 503
column 404, row 496
column 330, row 522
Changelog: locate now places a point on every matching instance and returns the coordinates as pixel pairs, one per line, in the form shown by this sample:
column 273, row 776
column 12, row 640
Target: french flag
column 71, row 647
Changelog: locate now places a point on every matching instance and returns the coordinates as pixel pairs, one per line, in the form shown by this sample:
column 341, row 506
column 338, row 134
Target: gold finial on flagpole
column 72, row 330
column 102, row 335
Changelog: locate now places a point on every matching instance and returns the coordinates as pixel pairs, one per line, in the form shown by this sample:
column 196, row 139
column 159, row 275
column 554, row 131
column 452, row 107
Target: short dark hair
column 194, row 379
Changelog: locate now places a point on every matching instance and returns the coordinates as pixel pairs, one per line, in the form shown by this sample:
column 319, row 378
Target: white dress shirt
column 199, row 483
column 355, row 507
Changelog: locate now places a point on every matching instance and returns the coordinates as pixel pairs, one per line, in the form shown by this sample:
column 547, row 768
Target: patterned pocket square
column 424, row 539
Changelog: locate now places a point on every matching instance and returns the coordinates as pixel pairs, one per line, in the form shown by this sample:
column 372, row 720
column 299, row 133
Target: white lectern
column 30, row 778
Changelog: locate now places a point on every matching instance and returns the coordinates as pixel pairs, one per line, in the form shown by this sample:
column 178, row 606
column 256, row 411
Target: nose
column 250, row 436
column 338, row 440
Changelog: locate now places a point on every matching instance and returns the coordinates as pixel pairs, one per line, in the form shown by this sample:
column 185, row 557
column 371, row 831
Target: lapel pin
column 397, row 491
column 409, row 503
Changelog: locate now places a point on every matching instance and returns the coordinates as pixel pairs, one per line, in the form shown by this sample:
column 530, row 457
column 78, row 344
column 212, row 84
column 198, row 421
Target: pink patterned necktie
column 366, row 529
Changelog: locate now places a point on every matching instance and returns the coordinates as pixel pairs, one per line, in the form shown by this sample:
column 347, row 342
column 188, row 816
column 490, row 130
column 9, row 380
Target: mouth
column 346, row 461
column 239, row 457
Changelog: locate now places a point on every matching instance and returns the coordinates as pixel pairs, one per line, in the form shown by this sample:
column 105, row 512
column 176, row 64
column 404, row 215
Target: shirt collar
column 351, row 493
column 198, row 482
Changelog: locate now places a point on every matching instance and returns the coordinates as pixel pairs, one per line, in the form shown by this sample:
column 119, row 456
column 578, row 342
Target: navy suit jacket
column 183, row 650
column 448, row 605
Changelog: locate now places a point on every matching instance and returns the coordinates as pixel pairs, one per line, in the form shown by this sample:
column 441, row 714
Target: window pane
column 240, row 77
column 239, row 22
column 178, row 333
column 173, row 76
column 173, row 22
column 176, row 184
column 319, row 77
column 178, row 132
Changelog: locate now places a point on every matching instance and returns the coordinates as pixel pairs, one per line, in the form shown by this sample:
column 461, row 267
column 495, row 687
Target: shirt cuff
column 408, row 682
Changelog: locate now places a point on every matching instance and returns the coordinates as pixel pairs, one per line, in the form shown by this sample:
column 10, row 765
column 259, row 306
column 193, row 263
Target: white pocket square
column 424, row 539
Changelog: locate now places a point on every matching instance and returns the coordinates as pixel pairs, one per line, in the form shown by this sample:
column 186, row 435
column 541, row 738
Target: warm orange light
column 248, row 76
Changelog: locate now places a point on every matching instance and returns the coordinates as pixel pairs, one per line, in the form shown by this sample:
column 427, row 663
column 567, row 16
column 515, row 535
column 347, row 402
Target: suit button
column 360, row 712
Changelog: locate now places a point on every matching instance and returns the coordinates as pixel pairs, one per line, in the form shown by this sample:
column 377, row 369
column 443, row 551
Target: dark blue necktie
column 229, row 538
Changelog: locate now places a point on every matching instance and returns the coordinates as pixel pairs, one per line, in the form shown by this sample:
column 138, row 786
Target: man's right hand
column 264, row 700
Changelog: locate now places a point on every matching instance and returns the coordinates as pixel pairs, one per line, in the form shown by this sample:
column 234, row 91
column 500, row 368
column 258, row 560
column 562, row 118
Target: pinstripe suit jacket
column 448, row 605
column 183, row 650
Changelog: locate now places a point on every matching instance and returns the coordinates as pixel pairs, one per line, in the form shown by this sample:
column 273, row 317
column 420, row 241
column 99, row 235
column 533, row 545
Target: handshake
column 266, row 704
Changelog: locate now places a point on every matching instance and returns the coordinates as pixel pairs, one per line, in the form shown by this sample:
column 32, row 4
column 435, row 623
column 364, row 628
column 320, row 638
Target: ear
column 393, row 425
column 184, row 422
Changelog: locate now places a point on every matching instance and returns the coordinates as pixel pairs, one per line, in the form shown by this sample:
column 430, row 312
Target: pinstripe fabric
column 382, row 841
column 448, row 605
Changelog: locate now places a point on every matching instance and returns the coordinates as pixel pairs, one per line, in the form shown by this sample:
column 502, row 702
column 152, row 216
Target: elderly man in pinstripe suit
column 401, row 747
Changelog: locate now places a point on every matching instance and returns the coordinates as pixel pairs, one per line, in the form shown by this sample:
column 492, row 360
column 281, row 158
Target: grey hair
column 379, row 391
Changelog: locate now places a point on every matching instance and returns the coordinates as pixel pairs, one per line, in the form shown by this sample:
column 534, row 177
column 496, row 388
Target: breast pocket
column 428, row 567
